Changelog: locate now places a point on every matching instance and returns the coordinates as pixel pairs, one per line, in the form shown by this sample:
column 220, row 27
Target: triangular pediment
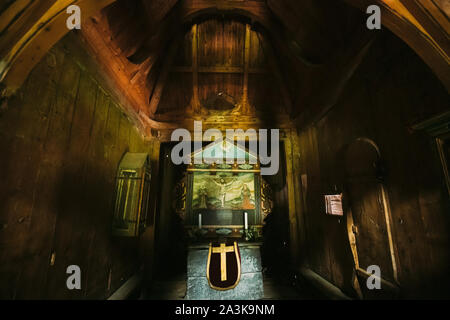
column 226, row 150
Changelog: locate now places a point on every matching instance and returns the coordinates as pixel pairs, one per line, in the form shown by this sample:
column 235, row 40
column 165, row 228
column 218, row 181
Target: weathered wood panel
column 399, row 91
column 217, row 61
column 63, row 137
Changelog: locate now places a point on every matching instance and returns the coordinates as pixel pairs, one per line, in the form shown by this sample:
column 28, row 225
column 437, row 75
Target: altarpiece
column 222, row 195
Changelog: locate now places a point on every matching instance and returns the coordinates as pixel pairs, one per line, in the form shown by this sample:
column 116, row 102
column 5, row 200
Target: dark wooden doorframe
column 375, row 178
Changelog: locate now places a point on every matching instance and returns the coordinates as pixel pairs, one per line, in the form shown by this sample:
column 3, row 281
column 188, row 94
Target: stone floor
column 175, row 289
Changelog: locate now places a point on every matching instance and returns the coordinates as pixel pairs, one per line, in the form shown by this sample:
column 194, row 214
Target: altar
column 223, row 193
column 223, row 199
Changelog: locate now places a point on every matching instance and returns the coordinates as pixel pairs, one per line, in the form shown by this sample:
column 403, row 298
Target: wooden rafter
column 162, row 79
column 342, row 70
column 158, row 10
column 274, row 66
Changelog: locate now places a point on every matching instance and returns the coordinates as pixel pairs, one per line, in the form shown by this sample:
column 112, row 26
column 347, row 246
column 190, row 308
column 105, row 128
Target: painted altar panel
column 224, row 191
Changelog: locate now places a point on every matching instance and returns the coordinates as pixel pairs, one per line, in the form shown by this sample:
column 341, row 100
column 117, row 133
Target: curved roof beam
column 28, row 30
column 423, row 25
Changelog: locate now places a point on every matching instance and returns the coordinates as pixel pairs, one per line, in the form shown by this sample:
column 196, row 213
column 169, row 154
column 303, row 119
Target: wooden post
column 195, row 102
column 148, row 238
column 300, row 199
column 291, row 199
column 246, row 106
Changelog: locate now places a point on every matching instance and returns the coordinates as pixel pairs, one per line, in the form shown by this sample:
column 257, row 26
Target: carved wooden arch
column 207, row 12
column 29, row 29
column 422, row 25
column 352, row 228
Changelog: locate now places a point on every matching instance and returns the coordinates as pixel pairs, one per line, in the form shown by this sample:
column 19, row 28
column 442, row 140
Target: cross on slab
column 223, row 259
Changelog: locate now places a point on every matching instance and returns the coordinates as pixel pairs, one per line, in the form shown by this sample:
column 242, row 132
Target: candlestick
column 200, row 221
column 245, row 220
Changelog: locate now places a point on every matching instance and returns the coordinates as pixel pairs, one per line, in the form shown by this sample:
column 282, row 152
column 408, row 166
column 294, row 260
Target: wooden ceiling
column 173, row 60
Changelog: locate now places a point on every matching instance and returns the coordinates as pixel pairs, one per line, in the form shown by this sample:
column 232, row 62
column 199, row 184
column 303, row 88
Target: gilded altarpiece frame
column 219, row 198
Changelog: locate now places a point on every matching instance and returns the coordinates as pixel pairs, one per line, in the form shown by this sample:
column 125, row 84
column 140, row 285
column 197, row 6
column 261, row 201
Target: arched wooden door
column 368, row 219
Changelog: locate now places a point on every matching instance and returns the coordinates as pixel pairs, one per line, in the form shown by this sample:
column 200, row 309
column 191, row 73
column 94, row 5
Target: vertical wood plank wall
column 388, row 93
column 61, row 139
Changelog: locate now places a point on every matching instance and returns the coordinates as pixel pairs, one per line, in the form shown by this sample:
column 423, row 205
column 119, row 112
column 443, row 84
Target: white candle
column 200, row 221
column 245, row 220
